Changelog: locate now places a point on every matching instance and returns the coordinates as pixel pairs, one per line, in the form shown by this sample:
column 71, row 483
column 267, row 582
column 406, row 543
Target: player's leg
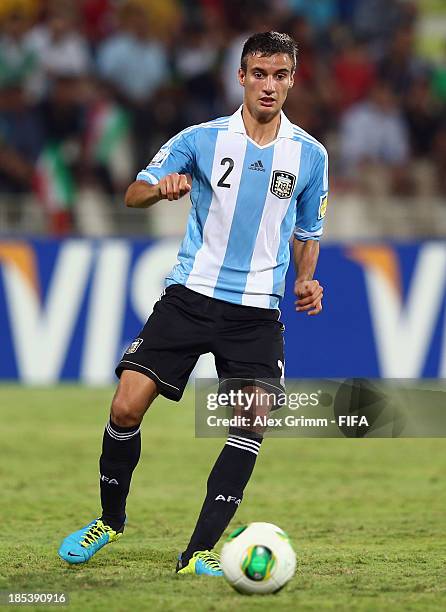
column 226, row 483
column 121, row 448
column 121, row 444
column 250, row 349
column 166, row 352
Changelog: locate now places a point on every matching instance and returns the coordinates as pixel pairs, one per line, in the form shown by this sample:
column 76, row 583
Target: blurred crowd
column 89, row 90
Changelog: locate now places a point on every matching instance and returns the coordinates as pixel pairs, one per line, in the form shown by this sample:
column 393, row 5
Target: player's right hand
column 174, row 186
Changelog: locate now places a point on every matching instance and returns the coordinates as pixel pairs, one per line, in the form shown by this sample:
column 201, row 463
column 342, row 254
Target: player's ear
column 241, row 76
column 291, row 80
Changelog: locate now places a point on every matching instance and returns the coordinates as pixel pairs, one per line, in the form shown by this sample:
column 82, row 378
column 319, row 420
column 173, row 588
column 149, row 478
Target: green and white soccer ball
column 258, row 558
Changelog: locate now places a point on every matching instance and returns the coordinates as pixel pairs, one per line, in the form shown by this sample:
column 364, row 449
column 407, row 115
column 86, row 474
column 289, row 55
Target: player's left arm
column 311, row 208
column 308, row 291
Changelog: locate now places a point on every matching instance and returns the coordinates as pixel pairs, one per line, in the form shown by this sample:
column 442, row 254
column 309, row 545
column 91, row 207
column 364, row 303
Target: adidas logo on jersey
column 257, row 166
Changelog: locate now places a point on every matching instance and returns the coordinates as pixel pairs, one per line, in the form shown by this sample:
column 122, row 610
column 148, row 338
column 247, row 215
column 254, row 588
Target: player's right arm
column 166, row 175
column 141, row 194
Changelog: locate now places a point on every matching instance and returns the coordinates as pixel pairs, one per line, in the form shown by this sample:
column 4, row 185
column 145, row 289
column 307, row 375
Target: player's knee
column 124, row 414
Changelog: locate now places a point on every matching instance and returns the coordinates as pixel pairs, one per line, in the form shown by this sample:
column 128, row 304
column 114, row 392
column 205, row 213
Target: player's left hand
column 309, row 294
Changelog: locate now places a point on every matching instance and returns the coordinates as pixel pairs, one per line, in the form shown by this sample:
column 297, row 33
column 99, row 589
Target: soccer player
column 257, row 180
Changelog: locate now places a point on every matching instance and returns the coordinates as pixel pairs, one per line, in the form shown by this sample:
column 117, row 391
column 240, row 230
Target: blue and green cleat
column 202, row 563
column 81, row 545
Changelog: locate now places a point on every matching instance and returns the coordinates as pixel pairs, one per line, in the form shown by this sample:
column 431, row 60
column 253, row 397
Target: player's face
column 266, row 82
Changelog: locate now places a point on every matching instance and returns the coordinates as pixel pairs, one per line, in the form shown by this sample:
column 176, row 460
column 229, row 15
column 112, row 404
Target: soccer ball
column 258, row 558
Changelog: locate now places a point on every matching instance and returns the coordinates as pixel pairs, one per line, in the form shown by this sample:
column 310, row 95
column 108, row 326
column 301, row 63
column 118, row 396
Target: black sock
column 121, row 449
column 225, row 487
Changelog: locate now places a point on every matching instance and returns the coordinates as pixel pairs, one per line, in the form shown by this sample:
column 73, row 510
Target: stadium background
column 88, row 91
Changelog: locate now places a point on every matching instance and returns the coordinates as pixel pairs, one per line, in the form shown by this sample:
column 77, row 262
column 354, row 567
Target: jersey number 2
column 230, row 162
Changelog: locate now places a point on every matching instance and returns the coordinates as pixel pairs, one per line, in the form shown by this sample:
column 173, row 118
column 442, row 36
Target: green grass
column 367, row 517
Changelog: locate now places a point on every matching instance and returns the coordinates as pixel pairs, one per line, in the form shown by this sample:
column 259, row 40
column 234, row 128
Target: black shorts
column 247, row 342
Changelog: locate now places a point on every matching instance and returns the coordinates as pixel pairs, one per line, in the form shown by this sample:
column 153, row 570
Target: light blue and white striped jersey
column 247, row 200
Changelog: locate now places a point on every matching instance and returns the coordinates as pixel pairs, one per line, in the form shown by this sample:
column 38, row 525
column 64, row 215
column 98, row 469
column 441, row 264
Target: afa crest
column 282, row 184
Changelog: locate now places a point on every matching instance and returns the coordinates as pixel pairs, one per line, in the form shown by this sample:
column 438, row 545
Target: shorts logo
column 134, row 346
column 322, row 206
column 159, row 158
column 282, row 184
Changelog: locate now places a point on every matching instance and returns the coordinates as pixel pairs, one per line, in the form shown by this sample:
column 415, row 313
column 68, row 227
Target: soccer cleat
column 202, row 563
column 81, row 545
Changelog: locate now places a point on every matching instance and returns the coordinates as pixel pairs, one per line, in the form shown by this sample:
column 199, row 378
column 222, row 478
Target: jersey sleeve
column 312, row 202
column 177, row 155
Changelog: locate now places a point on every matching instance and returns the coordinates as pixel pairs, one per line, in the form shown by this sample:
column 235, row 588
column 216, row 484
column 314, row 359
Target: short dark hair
column 269, row 43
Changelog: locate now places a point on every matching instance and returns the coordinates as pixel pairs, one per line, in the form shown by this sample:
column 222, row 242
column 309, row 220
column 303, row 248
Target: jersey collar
column 236, row 124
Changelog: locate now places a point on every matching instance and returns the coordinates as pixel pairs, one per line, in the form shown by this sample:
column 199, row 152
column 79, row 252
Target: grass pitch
column 367, row 517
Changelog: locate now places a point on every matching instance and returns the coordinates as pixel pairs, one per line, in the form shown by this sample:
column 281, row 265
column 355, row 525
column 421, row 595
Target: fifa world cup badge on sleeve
column 159, row 158
column 323, row 206
column 282, row 184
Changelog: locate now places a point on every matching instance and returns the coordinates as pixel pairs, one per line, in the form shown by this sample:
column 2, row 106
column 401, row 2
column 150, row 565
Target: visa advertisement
column 69, row 309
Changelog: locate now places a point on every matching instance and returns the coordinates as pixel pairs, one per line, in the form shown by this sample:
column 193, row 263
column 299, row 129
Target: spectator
column 27, row 8
column 320, row 13
column 98, row 19
column 375, row 21
column 133, row 64
column 354, row 74
column 21, row 140
column 135, row 67
column 63, row 112
column 373, row 135
column 61, row 50
column 64, row 108
column 439, row 158
column 346, row 10
column 17, row 63
column 166, row 18
column 439, row 78
column 195, row 61
column 422, row 116
column 400, row 66
column 106, row 152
